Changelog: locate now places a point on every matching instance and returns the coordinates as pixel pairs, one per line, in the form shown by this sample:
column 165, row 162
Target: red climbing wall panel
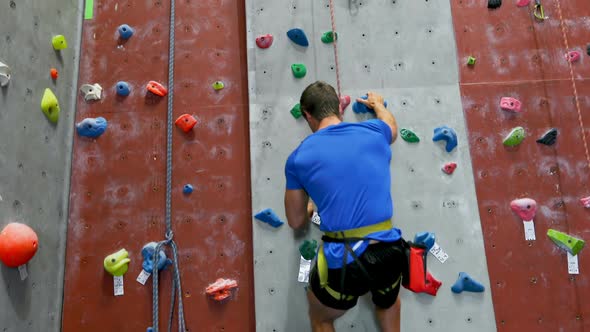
column 520, row 57
column 117, row 197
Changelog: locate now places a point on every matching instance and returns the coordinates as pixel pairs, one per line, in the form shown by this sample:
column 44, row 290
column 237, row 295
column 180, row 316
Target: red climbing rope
column 334, row 36
column 577, row 100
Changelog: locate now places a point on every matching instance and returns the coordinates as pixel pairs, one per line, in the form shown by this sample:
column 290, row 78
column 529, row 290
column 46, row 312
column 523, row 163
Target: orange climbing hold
column 18, row 244
column 221, row 289
column 186, row 122
column 157, row 89
column 54, row 73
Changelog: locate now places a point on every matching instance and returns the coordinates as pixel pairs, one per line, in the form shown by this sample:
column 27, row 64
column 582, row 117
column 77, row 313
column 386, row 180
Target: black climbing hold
column 493, row 4
column 588, row 49
column 549, row 137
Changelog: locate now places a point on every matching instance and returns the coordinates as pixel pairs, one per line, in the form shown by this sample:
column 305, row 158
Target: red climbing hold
column 186, row 122
column 432, row 284
column 54, row 73
column 157, row 88
column 264, row 41
column 572, row 56
column 449, row 168
column 18, row 244
column 586, row 202
column 221, row 289
column 525, row 208
column 510, row 104
column 523, row 3
column 344, row 102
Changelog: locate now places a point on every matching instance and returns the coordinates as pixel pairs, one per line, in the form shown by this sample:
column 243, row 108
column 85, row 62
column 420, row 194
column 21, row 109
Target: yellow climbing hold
column 117, row 263
column 59, row 42
column 50, row 106
column 218, row 85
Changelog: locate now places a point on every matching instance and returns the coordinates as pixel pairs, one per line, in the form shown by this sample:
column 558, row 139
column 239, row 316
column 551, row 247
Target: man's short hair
column 320, row 100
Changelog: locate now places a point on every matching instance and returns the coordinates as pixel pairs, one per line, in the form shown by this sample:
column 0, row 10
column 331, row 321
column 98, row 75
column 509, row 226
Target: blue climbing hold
column 92, row 127
column 467, row 284
column 425, row 238
column 147, row 252
column 269, row 216
column 125, row 31
column 123, row 89
column 187, row 189
column 298, row 37
column 361, row 108
column 444, row 133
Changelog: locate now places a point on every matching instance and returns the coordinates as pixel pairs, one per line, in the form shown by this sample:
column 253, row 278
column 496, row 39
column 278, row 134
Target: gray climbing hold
column 91, row 91
column 5, row 73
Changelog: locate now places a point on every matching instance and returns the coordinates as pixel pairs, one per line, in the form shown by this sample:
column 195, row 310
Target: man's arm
column 376, row 103
column 296, row 208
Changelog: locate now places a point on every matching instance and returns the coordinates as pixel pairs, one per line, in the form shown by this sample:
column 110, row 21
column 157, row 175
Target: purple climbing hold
column 298, row 37
column 426, row 239
column 444, row 133
column 467, row 284
column 525, row 208
column 270, row 217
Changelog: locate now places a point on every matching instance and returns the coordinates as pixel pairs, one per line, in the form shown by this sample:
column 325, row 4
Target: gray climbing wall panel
column 35, row 155
column 404, row 49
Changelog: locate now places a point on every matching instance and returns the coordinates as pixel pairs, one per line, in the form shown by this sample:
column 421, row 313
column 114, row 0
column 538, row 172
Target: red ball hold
column 54, row 73
column 18, row 244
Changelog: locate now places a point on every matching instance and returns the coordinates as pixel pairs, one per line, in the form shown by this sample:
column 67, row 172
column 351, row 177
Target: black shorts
column 384, row 263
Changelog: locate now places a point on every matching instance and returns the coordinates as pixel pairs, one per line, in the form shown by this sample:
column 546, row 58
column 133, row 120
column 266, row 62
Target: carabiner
column 538, row 11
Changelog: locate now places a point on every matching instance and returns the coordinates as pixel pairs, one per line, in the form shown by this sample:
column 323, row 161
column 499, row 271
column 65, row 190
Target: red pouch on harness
column 415, row 277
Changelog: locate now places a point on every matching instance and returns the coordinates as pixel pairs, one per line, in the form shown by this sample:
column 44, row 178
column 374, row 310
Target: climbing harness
column 169, row 241
column 538, row 11
column 335, row 44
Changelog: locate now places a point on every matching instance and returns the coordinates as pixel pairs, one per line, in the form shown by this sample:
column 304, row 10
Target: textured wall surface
column 35, row 154
column 522, row 57
column 406, row 51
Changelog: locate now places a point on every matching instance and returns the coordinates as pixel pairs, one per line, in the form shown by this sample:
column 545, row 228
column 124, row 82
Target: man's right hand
column 373, row 100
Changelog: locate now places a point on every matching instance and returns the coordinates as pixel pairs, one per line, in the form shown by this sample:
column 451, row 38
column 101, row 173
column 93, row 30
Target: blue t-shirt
column 345, row 170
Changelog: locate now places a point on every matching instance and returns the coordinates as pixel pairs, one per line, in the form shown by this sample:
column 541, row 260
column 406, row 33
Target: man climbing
column 344, row 168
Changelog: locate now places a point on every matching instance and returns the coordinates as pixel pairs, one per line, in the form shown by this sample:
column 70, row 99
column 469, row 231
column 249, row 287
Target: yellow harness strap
column 349, row 233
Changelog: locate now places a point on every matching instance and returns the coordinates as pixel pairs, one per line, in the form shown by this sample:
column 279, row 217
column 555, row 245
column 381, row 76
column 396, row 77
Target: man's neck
column 329, row 121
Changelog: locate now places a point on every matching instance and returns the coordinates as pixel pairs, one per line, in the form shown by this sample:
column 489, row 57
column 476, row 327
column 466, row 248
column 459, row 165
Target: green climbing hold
column 59, row 42
column 308, row 249
column 296, row 111
column 409, row 136
column 515, row 137
column 117, row 263
column 328, row 37
column 50, row 106
column 218, row 85
column 471, row 61
column 299, row 70
column 566, row 242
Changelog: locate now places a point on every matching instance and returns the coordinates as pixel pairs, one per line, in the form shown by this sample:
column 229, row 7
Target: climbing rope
column 334, row 36
column 176, row 285
column 576, row 98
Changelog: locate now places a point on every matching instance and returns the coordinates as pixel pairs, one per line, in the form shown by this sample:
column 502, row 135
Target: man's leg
column 389, row 319
column 321, row 317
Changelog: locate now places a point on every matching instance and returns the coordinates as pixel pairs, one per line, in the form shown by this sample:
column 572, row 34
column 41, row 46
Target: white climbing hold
column 5, row 74
column 91, row 91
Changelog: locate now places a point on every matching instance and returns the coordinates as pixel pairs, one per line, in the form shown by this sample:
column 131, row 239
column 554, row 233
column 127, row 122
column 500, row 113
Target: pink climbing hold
column 449, row 168
column 344, row 102
column 264, row 41
column 523, row 3
column 510, row 104
column 572, row 56
column 525, row 208
column 586, row 202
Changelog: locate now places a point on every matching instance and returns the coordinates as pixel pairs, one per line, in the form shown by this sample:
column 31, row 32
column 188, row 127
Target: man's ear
column 307, row 115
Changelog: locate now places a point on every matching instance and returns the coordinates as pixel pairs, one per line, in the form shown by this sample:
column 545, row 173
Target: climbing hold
column 54, row 74
column 187, row 189
column 296, row 111
column 467, row 284
column 523, row 3
column 308, row 249
column 444, row 133
column 59, row 42
column 157, row 89
column 525, row 208
column 117, row 263
column 123, row 88
column 515, row 137
column 186, row 122
column 493, row 4
column 264, row 41
column 328, row 37
column 269, row 216
column 588, row 49
column 5, row 73
column 585, row 202
column 18, row 244
column 221, row 289
column 92, row 127
column 125, row 31
column 432, row 284
column 147, row 252
column 566, row 242
column 344, row 102
column 362, row 108
column 510, row 104
column 449, row 168
column 50, row 106
column 549, row 137
column 218, row 85
column 91, row 91
column 573, row 56
column 298, row 37
column 409, row 136
column 471, row 61
column 426, row 239
column 299, row 70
